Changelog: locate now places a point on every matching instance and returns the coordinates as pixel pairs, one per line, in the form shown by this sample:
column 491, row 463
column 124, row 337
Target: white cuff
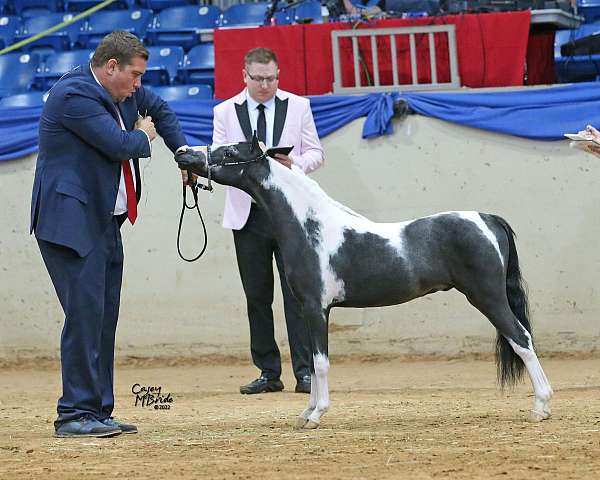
column 149, row 142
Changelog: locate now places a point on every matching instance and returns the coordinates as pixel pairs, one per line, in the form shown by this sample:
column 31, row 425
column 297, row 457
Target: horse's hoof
column 535, row 416
column 310, row 425
column 300, row 422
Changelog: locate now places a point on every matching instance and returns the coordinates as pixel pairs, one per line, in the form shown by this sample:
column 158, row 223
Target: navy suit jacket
column 81, row 147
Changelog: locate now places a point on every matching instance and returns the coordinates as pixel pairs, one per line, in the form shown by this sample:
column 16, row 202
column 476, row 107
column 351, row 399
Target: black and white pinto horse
column 335, row 257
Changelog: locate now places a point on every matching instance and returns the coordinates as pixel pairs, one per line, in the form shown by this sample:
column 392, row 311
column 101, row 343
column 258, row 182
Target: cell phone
column 271, row 152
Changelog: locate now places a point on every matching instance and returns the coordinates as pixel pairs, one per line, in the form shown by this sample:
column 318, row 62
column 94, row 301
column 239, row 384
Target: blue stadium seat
column 245, row 15
column 29, row 99
column 199, row 65
column 184, row 92
column 28, row 8
column 2, row 7
column 162, row 65
column 57, row 41
column 284, row 16
column 589, row 9
column 158, row 5
column 182, row 25
column 35, row 12
column 81, row 5
column 579, row 67
column 101, row 24
column 308, row 12
column 17, row 72
column 9, row 25
column 58, row 64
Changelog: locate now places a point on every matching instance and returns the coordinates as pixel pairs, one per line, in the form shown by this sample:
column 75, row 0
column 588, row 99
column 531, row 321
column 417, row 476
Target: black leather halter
column 195, row 186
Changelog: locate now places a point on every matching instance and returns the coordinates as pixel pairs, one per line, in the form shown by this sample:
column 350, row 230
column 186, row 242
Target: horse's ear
column 255, row 145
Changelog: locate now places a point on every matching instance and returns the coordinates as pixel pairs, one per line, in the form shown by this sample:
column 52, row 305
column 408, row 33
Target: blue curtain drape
column 536, row 113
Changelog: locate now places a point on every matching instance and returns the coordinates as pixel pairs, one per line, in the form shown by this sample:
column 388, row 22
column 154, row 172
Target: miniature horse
column 335, row 257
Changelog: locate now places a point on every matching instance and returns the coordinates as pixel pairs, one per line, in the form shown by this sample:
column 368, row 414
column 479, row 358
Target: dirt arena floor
column 389, row 419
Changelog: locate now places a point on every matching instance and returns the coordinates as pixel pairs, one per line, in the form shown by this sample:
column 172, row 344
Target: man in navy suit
column 98, row 120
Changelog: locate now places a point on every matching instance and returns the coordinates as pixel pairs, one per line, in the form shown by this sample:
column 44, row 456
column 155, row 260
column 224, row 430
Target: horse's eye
column 232, row 151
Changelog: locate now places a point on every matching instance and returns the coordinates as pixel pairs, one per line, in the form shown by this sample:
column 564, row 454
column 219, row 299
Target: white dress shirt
column 121, row 201
column 253, row 112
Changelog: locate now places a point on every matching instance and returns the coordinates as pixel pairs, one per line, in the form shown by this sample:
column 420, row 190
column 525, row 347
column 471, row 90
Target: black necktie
column 261, row 124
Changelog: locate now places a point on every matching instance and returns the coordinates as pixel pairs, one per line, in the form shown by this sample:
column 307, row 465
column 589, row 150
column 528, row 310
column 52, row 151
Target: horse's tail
column 509, row 365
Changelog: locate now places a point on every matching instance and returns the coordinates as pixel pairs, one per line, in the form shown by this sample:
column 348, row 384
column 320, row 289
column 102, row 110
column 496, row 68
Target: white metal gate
column 392, row 33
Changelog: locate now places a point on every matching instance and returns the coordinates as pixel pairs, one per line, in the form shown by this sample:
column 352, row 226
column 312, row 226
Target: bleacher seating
column 55, row 66
column 158, row 5
column 81, row 5
column 589, row 9
column 57, row 41
column 578, row 67
column 9, row 24
column 308, row 12
column 172, row 27
column 199, row 65
column 36, row 12
column 29, row 99
column 163, row 64
column 29, row 8
column 17, row 71
column 181, row 25
column 284, row 16
column 101, row 24
column 184, row 92
column 245, row 15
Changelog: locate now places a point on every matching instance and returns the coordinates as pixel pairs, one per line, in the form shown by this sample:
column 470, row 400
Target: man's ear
column 111, row 66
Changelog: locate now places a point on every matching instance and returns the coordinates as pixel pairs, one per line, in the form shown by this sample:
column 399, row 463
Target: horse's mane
column 313, row 188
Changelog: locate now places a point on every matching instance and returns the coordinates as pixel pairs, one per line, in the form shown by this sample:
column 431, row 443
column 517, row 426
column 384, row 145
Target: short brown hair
column 120, row 45
column 261, row 55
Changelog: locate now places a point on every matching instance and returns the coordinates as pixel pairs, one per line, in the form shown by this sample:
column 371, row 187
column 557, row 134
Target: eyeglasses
column 262, row 79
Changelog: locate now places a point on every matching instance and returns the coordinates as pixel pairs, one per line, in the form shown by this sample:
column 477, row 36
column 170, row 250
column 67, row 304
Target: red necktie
column 131, row 199
column 128, row 177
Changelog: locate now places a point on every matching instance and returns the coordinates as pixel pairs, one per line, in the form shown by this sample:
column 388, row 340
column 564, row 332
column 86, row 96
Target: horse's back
column 390, row 264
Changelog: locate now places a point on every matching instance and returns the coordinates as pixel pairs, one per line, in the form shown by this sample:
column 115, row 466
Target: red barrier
column 491, row 48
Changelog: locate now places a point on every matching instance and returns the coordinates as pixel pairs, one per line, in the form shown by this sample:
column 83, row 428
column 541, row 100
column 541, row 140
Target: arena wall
column 547, row 191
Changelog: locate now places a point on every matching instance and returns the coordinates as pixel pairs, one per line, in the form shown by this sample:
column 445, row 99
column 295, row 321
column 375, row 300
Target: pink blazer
column 294, row 125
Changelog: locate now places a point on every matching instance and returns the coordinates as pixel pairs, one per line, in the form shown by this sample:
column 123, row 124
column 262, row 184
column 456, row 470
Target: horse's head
column 225, row 162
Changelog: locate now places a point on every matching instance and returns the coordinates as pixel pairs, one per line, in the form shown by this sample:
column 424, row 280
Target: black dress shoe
column 86, row 426
column 303, row 385
column 124, row 427
column 262, row 385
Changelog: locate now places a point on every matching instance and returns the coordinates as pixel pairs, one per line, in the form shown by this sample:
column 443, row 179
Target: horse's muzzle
column 192, row 160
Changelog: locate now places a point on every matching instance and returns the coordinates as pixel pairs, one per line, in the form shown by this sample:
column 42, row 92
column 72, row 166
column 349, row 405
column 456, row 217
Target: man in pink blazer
column 280, row 119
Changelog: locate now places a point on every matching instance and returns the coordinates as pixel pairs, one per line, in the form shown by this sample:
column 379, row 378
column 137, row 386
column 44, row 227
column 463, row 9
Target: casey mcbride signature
column 151, row 396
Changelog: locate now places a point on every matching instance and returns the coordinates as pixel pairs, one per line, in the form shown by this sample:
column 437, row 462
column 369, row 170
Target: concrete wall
column 547, row 191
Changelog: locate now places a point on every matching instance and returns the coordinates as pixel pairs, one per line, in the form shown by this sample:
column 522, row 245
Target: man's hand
column 146, row 124
column 593, row 132
column 285, row 160
column 184, row 178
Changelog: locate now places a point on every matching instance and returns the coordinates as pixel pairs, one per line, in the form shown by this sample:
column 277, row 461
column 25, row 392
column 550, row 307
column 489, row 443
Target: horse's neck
column 303, row 195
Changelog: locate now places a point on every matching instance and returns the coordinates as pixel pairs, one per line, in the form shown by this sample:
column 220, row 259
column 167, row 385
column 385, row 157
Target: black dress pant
column 255, row 247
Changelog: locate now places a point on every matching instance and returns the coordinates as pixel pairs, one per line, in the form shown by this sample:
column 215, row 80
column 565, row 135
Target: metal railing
column 392, row 33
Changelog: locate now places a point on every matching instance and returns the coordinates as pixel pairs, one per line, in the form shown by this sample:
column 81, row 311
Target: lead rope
column 194, row 187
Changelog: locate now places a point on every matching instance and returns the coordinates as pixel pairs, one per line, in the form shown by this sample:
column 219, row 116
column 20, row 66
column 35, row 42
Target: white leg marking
column 312, row 403
column 318, row 380
column 541, row 386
